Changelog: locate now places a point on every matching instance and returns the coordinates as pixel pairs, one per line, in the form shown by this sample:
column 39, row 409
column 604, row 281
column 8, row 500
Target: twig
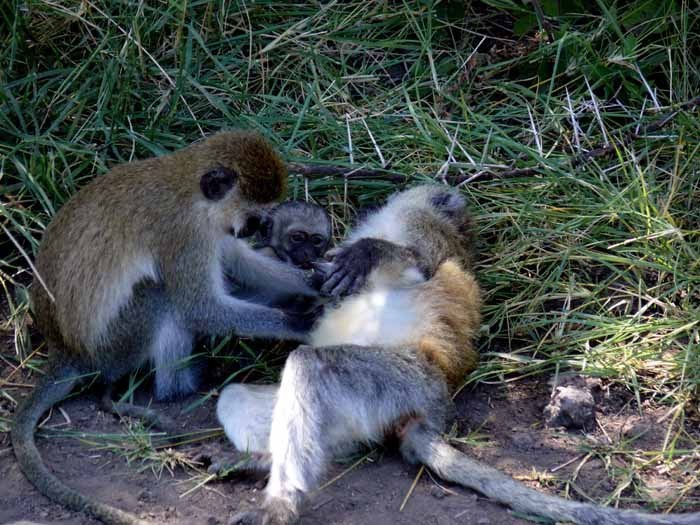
column 5, row 381
column 327, row 170
column 653, row 126
column 343, row 473
column 29, row 262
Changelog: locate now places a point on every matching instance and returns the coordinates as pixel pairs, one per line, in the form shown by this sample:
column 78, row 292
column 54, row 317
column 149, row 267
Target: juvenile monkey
column 384, row 362
column 133, row 267
column 296, row 232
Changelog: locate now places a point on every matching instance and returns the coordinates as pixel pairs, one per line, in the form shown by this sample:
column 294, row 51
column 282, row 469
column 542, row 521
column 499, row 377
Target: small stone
column 571, row 406
column 523, row 440
column 146, row 496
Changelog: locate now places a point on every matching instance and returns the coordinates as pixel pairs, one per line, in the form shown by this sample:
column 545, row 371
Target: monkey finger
column 332, row 253
column 335, row 267
column 323, row 267
column 344, row 285
column 337, row 275
column 344, row 255
column 357, row 285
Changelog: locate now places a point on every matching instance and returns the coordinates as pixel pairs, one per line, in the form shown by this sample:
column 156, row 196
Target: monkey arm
column 227, row 314
column 267, row 280
column 353, row 264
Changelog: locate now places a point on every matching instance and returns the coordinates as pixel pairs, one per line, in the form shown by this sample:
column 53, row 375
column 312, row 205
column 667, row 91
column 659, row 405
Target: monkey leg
column 330, row 397
column 148, row 329
column 170, row 349
column 245, row 412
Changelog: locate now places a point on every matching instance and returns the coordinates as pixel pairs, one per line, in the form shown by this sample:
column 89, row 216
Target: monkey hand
column 321, row 270
column 303, row 322
column 350, row 267
column 297, row 304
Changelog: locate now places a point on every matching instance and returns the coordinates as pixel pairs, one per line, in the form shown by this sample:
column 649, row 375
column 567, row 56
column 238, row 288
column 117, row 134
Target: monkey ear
column 215, row 184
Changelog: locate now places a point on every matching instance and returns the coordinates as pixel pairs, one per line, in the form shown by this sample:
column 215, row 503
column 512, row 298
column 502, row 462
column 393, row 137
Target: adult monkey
column 134, row 266
column 382, row 363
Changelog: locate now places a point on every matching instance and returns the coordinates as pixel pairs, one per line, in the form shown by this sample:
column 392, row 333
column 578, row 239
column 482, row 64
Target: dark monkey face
column 298, row 232
column 302, row 247
column 252, row 226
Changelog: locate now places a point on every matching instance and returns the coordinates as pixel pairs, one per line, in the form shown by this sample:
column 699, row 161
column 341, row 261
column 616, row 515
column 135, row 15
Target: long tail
column 50, row 390
column 429, row 448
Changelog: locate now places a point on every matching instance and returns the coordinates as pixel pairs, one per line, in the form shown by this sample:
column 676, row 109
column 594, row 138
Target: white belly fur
column 381, row 315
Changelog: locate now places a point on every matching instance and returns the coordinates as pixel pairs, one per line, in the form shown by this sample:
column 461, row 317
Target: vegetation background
column 550, row 116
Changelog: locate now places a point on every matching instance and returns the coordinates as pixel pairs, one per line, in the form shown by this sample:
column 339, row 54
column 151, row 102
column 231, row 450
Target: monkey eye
column 297, row 237
column 317, row 240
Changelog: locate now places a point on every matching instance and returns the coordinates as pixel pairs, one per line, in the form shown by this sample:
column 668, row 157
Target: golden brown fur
column 454, row 297
column 138, row 206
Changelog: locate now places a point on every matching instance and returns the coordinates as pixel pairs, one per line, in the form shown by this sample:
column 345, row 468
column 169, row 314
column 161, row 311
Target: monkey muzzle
column 250, row 228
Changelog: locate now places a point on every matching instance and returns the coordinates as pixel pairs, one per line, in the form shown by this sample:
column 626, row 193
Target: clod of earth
column 573, row 404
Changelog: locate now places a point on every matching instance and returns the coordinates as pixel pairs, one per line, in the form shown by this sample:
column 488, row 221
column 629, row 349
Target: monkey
column 383, row 364
column 296, row 232
column 133, row 270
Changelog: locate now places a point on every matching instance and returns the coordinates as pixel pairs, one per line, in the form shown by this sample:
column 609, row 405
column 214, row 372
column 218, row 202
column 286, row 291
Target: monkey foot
column 224, row 463
column 250, row 517
column 275, row 513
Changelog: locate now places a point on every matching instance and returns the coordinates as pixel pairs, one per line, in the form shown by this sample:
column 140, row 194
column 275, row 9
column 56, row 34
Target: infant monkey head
column 298, row 232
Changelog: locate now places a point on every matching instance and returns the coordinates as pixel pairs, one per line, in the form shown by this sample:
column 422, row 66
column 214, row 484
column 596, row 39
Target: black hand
column 302, row 323
column 351, row 267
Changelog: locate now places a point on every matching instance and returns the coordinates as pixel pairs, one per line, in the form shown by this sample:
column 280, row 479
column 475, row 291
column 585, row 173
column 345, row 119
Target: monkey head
column 298, row 232
column 239, row 176
column 445, row 203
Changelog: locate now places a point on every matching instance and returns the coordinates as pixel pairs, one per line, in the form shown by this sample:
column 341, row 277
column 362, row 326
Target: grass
column 591, row 268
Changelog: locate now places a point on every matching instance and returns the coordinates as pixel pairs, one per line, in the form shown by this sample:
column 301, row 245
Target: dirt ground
column 507, row 418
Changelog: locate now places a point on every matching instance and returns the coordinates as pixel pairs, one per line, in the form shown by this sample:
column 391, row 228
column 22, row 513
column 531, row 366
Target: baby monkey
column 297, row 232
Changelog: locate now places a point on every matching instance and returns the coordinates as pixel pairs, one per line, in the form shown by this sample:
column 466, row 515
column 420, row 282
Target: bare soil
column 507, row 419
